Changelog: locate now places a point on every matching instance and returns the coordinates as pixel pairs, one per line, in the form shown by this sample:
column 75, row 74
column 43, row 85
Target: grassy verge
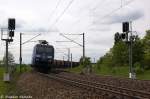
column 144, row 76
column 9, row 88
column 2, row 84
column 77, row 69
column 116, row 71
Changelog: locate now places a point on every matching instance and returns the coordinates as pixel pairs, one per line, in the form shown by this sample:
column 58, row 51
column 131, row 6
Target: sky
column 98, row 19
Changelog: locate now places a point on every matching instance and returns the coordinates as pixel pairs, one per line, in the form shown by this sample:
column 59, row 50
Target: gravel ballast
column 39, row 87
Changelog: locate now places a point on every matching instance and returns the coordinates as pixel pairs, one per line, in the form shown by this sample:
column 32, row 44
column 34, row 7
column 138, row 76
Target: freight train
column 43, row 58
column 64, row 64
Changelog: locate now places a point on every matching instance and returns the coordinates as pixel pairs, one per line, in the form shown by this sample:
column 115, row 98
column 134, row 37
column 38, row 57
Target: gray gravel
column 40, row 87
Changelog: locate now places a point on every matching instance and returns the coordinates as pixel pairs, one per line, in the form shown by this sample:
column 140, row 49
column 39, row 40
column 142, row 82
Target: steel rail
column 99, row 86
column 122, row 89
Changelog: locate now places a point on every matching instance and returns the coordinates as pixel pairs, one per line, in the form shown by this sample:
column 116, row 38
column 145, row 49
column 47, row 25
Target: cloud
column 22, row 26
column 35, row 17
column 100, row 28
column 124, row 14
column 130, row 16
column 105, row 41
column 20, row 23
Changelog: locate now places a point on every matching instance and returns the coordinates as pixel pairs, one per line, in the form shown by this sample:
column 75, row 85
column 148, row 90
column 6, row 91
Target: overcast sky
column 98, row 19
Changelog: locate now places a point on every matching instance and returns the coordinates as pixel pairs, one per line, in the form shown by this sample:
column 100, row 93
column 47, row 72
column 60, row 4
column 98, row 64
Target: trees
column 10, row 58
column 138, row 52
column 86, row 61
column 119, row 53
column 146, row 42
column 1, row 62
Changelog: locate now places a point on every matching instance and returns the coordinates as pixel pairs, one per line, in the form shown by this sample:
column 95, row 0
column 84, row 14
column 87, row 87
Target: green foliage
column 10, row 58
column 121, row 53
column 138, row 51
column 77, row 69
column 105, row 60
column 146, row 42
column 85, row 62
column 116, row 61
column 24, row 68
column 10, row 88
column 118, row 56
column 138, row 68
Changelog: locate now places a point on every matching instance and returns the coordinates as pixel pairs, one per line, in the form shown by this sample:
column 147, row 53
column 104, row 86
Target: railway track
column 100, row 88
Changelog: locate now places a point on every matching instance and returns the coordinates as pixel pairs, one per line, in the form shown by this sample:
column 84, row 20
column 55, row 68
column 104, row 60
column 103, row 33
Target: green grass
column 10, row 88
column 77, row 69
column 145, row 75
column 24, row 68
column 116, row 71
column 2, row 84
column 121, row 72
column 104, row 70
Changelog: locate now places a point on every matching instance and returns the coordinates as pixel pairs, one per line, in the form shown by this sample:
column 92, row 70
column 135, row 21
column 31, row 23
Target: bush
column 86, row 61
column 113, row 70
column 138, row 68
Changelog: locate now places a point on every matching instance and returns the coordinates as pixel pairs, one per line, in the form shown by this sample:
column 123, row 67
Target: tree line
column 118, row 55
column 11, row 59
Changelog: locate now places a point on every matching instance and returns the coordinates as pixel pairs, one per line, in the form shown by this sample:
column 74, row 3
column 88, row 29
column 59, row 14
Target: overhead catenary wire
column 99, row 4
column 71, row 39
column 94, row 8
column 54, row 10
column 115, row 10
column 31, row 39
column 121, row 6
column 121, row 3
column 58, row 18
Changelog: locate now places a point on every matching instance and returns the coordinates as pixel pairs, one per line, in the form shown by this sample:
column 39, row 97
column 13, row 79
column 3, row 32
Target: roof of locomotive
column 42, row 45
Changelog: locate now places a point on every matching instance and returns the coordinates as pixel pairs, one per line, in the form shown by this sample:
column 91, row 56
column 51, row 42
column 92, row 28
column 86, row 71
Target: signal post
column 8, row 38
column 129, row 39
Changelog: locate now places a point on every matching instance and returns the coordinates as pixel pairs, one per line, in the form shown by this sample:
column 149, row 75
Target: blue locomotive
column 43, row 56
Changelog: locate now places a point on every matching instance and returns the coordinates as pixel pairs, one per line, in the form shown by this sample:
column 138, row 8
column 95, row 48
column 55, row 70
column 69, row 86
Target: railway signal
column 10, row 33
column 120, row 37
column 125, row 26
column 11, row 24
column 117, row 37
column 11, row 27
column 124, row 37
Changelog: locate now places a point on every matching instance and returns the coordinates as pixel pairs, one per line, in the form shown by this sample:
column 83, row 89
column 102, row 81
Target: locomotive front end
column 43, row 57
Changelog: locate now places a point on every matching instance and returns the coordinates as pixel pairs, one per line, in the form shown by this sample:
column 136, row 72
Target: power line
column 58, row 3
column 100, row 3
column 63, row 12
column 121, row 3
column 107, row 15
column 31, row 39
column 94, row 8
column 121, row 6
column 70, row 39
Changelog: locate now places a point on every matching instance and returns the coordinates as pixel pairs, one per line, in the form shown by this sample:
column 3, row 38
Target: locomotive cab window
column 46, row 50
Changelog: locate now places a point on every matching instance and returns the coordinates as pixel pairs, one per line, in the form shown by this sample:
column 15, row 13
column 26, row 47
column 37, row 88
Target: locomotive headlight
column 49, row 56
column 37, row 59
column 38, row 55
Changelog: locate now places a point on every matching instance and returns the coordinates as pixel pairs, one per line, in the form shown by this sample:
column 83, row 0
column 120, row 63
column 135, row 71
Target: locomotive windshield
column 46, row 50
